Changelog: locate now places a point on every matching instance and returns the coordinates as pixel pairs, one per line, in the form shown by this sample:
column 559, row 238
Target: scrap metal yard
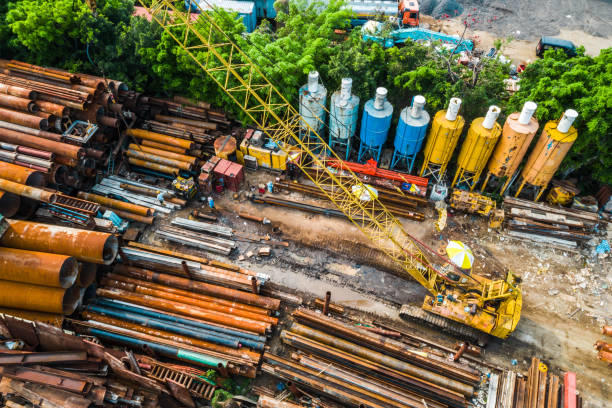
column 436, row 236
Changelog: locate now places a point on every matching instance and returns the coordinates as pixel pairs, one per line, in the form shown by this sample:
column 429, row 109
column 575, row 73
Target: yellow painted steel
column 475, row 153
column 226, row 64
column 546, row 157
column 511, row 148
column 265, row 157
column 440, row 144
column 471, row 202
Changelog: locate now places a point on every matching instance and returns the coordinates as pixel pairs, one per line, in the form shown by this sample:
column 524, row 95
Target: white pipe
column 492, row 114
column 313, row 81
column 566, row 121
column 417, row 106
column 529, row 109
column 453, row 109
column 380, row 98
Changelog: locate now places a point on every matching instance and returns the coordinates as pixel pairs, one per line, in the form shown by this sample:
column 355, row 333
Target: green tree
column 583, row 83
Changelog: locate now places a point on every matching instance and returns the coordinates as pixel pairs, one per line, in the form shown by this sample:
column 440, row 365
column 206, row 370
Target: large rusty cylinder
column 53, row 319
column 154, row 166
column 146, row 156
column 38, row 298
column 22, row 190
column 183, row 297
column 118, row 204
column 186, row 310
column 24, row 119
column 199, row 287
column 37, row 268
column 87, row 246
column 161, row 146
column 15, row 102
column 160, row 138
column 163, row 153
column 9, row 204
column 53, row 108
column 86, row 274
column 17, row 91
column 59, row 148
column 186, row 293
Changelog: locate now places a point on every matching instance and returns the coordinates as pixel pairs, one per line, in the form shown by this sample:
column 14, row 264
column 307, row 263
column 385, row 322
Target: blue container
column 410, row 134
column 265, row 8
column 343, row 115
column 375, row 124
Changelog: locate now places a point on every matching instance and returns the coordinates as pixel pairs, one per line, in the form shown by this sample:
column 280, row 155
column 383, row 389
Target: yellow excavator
column 468, row 305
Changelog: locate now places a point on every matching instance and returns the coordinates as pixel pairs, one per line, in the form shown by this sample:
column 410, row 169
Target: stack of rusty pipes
column 20, row 183
column 123, row 209
column 44, row 269
column 357, row 361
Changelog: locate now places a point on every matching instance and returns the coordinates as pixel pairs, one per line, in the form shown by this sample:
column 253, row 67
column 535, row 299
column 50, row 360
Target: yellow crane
column 490, row 306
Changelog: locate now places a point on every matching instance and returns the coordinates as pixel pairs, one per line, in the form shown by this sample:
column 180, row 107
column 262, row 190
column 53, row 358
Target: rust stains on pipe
column 18, row 91
column 38, row 298
column 22, row 190
column 200, row 287
column 154, row 166
column 163, row 153
column 15, row 102
column 161, row 146
column 149, row 157
column 53, row 319
column 53, row 108
column 88, row 246
column 23, row 175
column 34, row 132
column 81, row 106
column 38, row 268
column 23, row 119
column 120, row 205
column 23, row 139
column 160, row 138
column 187, row 310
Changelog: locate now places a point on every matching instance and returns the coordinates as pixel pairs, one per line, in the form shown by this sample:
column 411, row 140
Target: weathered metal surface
column 16, row 102
column 34, row 132
column 22, row 190
column 269, row 402
column 154, row 166
column 36, row 142
column 9, row 204
column 39, row 377
column 152, row 158
column 160, row 138
column 88, row 246
column 23, row 119
column 157, row 145
column 44, row 396
column 180, row 393
column 39, row 268
column 17, row 91
column 118, row 204
column 42, row 357
column 163, row 153
column 86, row 274
column 50, row 318
column 39, row 298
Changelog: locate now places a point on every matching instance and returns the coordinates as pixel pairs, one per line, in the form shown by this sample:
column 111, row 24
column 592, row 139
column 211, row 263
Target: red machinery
column 408, row 13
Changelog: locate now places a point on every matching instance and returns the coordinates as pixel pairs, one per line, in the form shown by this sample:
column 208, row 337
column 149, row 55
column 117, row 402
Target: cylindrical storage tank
column 550, row 150
column 313, row 97
column 410, row 133
column 375, row 124
column 344, row 111
column 517, row 134
column 477, row 148
column 445, row 131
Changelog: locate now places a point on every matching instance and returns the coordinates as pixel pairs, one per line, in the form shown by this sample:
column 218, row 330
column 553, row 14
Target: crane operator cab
column 408, row 13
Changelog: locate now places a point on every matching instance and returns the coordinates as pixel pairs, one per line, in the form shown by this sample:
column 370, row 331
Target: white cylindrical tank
column 313, row 97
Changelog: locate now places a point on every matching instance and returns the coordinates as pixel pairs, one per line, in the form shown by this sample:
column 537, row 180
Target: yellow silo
column 517, row 134
column 550, row 150
column 446, row 128
column 477, row 148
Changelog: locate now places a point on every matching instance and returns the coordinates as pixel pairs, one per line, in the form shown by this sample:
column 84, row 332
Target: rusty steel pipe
column 160, row 138
column 37, row 268
column 80, row 106
column 462, row 348
column 35, row 152
column 129, row 215
column 22, row 175
column 269, row 402
column 53, row 108
column 150, row 157
column 180, row 297
column 24, row 119
column 53, row 319
column 38, row 298
column 181, row 308
column 163, row 153
column 86, row 274
column 88, row 246
column 606, row 330
column 22, row 190
column 154, row 166
column 212, row 299
column 190, row 122
column 23, row 139
column 34, row 132
column 15, row 102
column 326, row 304
column 239, row 353
column 602, row 345
column 108, row 121
column 200, row 287
column 161, row 146
column 18, row 91
column 151, row 193
column 120, row 205
column 10, row 204
column 605, row 356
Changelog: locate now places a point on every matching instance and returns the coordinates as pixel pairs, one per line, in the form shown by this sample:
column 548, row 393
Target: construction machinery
column 489, row 306
column 408, row 13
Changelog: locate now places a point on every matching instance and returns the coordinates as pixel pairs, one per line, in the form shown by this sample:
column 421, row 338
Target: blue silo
column 313, row 97
column 410, row 133
column 343, row 114
column 375, row 123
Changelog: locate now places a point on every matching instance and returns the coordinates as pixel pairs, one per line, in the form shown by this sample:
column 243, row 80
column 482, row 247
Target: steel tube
column 160, row 138
column 53, row 108
column 35, row 152
column 22, row 175
column 9, row 204
column 190, row 122
column 53, row 319
column 154, row 166
column 150, row 157
column 80, row 106
column 15, row 102
column 34, row 132
column 22, row 190
column 88, row 246
column 38, row 298
column 181, row 308
column 151, row 192
column 23, row 139
column 118, row 204
column 37, row 268
column 86, row 274
column 129, row 215
column 201, row 287
column 17, row 91
column 163, row 153
column 23, row 119
column 161, row 146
